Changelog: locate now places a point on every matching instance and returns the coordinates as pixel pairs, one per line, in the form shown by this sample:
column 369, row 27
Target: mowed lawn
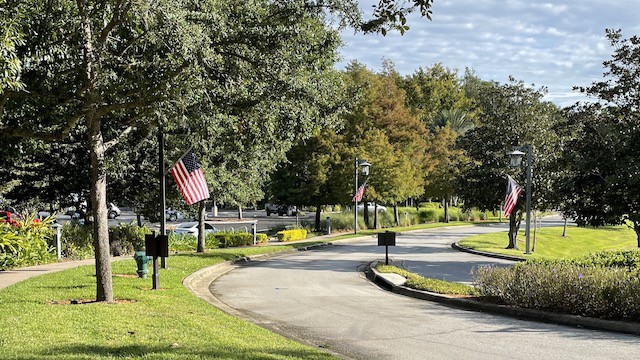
column 550, row 243
column 37, row 321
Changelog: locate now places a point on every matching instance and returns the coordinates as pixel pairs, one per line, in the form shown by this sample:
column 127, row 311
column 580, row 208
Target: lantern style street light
column 515, row 160
column 365, row 171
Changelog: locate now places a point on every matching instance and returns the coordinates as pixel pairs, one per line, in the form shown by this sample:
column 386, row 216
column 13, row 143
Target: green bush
column 127, row 238
column 629, row 259
column 262, row 238
column 292, row 235
column 26, row 244
column 233, row 239
column 183, row 242
column 594, row 291
column 77, row 241
column 427, row 215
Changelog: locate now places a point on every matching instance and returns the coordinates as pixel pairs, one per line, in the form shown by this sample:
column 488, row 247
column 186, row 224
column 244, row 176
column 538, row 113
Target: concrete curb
column 456, row 246
column 504, row 310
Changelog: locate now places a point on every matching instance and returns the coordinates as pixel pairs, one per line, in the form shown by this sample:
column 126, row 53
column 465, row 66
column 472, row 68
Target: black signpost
column 156, row 246
column 386, row 239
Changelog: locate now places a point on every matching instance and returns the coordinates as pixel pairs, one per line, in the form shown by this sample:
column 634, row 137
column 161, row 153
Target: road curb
column 456, row 246
column 521, row 313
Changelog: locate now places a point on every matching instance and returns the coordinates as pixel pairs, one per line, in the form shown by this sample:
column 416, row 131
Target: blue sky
column 557, row 44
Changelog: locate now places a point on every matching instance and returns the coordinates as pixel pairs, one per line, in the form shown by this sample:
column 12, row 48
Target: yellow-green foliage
column 262, row 238
column 292, row 235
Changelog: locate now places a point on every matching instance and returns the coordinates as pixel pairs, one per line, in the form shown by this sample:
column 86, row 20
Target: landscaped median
column 38, row 320
column 452, row 296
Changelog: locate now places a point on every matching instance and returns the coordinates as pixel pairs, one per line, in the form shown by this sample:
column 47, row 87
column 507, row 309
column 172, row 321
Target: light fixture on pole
column 365, row 171
column 515, row 160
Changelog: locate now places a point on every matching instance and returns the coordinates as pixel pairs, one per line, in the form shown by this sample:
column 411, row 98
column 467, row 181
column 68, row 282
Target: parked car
column 191, row 228
column 173, row 215
column 81, row 211
column 281, row 210
column 371, row 207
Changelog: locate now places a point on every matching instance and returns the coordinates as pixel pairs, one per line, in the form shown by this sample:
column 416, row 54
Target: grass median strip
column 418, row 282
column 550, row 244
column 38, row 322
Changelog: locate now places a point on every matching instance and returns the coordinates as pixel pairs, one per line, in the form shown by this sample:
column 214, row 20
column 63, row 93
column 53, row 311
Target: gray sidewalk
column 10, row 277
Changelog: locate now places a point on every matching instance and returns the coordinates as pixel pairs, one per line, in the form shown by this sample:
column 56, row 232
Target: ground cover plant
column 550, row 244
column 418, row 282
column 37, row 321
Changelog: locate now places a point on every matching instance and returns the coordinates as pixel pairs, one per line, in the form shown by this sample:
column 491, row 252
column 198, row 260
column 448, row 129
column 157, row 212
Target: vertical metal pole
column 528, row 228
column 254, row 225
column 355, row 191
column 58, row 241
column 163, row 220
column 156, row 273
column 386, row 254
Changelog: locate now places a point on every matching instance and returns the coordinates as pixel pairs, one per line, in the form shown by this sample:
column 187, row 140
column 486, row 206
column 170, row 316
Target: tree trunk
column 201, row 230
column 239, row 211
column 446, row 208
column 318, row 214
column 98, row 197
column 514, row 225
column 365, row 213
column 636, row 228
column 139, row 219
column 396, row 217
column 564, row 229
column 375, row 215
column 104, row 285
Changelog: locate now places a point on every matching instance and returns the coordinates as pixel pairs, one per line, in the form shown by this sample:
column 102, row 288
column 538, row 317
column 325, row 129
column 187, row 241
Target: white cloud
column 556, row 44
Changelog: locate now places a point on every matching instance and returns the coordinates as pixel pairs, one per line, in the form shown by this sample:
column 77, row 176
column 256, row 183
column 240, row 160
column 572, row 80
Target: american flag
column 511, row 198
column 187, row 173
column 358, row 196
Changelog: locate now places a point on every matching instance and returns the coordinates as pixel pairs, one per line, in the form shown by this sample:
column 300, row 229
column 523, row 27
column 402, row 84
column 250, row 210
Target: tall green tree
column 512, row 114
column 600, row 164
column 104, row 69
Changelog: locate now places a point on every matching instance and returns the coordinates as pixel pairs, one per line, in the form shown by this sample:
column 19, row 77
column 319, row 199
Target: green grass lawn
column 551, row 245
column 37, row 322
column 349, row 235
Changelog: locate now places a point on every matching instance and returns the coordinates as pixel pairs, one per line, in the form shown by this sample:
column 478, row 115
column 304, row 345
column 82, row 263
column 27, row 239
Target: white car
column 191, row 228
column 371, row 206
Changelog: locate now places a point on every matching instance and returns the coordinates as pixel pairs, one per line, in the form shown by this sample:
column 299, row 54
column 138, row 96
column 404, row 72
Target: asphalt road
column 321, row 298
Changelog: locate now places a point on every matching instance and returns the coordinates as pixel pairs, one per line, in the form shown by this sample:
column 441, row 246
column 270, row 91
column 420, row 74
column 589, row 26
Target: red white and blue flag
column 187, row 173
column 358, row 196
column 511, row 198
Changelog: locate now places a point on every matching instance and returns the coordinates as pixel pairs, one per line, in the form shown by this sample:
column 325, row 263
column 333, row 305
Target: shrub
column 183, row 242
column 127, row 238
column 431, row 214
column 262, row 238
column 233, row 239
column 595, row 291
column 292, row 235
column 26, row 243
column 77, row 241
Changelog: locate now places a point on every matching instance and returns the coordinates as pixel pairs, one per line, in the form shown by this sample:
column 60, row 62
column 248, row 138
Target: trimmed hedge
column 292, row 235
column 604, row 285
column 233, row 239
column 262, row 238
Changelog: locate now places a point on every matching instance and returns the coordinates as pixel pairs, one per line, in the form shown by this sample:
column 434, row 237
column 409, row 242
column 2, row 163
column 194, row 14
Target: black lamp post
column 515, row 160
column 365, row 171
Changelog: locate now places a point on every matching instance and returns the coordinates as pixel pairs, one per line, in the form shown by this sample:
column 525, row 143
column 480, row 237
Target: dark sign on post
column 386, row 239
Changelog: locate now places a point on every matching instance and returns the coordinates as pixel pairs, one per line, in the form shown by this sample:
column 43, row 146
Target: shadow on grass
column 169, row 351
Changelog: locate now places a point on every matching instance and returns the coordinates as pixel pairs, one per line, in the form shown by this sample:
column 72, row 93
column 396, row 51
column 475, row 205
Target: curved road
column 320, row 297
